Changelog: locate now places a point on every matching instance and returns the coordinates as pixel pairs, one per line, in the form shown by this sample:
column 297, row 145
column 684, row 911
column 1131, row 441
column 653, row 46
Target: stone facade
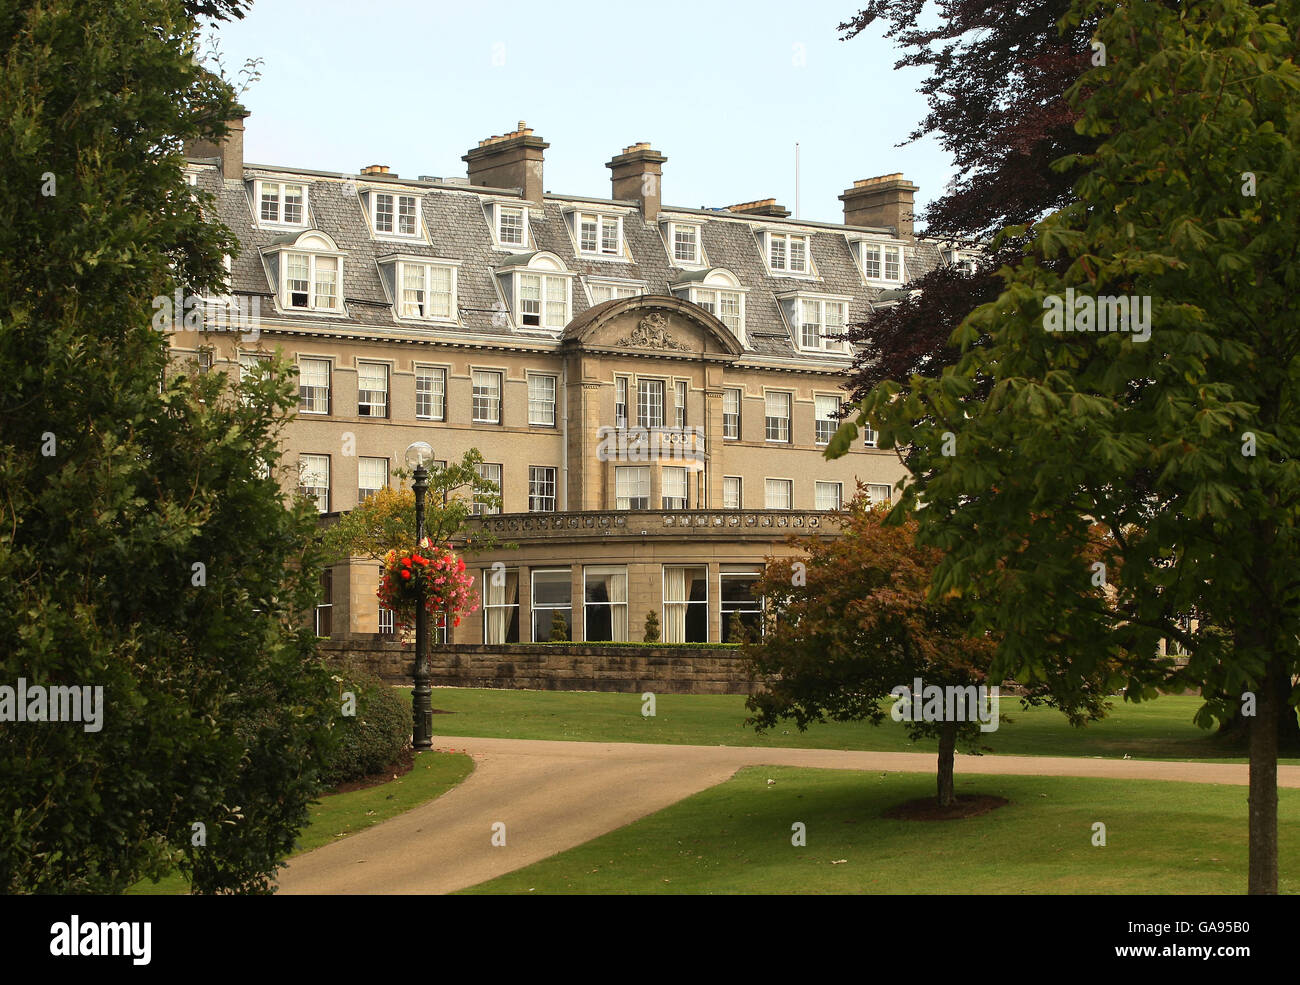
column 557, row 667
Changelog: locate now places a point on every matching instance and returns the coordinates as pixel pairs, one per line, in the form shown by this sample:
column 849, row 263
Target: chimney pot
column 885, row 200
column 512, row 160
column 228, row 150
column 637, row 175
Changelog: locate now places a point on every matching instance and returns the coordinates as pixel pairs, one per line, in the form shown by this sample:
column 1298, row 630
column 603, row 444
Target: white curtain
column 618, row 606
column 675, row 605
column 498, row 612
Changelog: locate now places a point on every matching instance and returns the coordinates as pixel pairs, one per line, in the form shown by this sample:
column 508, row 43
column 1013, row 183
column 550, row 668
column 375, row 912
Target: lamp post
column 418, row 457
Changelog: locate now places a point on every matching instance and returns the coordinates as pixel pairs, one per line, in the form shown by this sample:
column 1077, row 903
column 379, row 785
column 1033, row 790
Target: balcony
column 769, row 525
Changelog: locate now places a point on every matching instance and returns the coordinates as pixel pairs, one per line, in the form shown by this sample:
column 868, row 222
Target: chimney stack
column 512, row 160
column 229, row 152
column 373, row 169
column 637, row 175
column 882, row 201
column 765, row 206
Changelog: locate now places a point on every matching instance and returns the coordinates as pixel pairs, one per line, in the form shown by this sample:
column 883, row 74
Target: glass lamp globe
column 419, row 454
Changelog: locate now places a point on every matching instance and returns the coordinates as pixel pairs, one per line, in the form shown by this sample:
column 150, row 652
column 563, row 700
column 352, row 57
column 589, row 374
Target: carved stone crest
column 652, row 333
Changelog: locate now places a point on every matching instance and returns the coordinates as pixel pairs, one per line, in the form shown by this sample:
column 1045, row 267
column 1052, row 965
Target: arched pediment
column 654, row 323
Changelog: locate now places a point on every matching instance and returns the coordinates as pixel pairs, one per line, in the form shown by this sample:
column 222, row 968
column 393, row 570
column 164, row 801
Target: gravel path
column 551, row 796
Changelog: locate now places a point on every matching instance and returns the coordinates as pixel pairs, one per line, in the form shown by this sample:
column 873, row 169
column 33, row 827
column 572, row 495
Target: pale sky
column 723, row 89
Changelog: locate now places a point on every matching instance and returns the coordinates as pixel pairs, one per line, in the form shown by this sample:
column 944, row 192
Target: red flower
column 456, row 621
column 406, row 574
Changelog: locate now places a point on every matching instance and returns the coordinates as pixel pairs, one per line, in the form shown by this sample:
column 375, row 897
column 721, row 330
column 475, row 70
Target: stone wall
column 558, row 667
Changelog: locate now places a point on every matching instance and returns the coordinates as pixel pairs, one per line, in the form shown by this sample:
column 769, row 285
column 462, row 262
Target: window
column 829, row 496
column 650, row 403
column 204, row 359
column 778, row 416
column 787, row 254
column 372, row 476
column 427, row 291
column 685, row 243
column 552, row 595
column 543, row 300
column 620, row 401
column 314, row 479
column 430, row 393
column 604, row 603
column 726, row 305
column 731, row 492
column 731, row 413
column 282, row 203
column 541, row 400
column 599, row 235
column 372, row 390
column 387, row 624
column 828, row 417
column 631, row 487
column 881, row 262
column 868, row 436
column 314, row 386
column 251, row 366
column 679, row 403
column 602, row 291
column 490, row 472
column 779, row 494
column 686, row 604
column 742, row 608
column 395, row 214
column 541, row 489
column 673, row 487
column 487, row 397
column 880, row 493
column 325, row 608
column 510, row 226
column 821, row 324
column 500, row 591
column 311, row 282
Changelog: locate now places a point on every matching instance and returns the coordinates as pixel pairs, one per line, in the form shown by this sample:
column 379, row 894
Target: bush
column 559, row 628
column 372, row 739
column 651, row 627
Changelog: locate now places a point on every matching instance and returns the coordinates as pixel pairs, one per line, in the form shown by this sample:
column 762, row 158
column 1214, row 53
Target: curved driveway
column 551, row 796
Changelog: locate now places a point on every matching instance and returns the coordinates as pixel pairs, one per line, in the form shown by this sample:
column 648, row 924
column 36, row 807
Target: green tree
column 386, row 520
column 144, row 548
column 651, row 627
column 1172, row 455
column 851, row 621
column 559, row 627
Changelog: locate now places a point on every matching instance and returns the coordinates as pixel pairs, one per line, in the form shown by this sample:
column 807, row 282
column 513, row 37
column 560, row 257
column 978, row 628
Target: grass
column 1160, row 729
column 336, row 816
column 1161, row 838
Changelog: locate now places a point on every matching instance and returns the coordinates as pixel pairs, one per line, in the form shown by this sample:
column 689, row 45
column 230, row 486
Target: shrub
column 651, row 627
column 559, row 628
column 373, row 738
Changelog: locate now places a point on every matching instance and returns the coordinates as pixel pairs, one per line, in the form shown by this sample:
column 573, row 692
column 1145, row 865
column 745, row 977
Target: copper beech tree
column 851, row 621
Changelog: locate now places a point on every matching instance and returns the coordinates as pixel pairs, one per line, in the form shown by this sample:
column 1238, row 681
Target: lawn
column 1160, row 729
column 1161, row 838
column 336, row 816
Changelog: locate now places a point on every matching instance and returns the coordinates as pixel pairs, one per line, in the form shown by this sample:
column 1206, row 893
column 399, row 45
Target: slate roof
column 458, row 228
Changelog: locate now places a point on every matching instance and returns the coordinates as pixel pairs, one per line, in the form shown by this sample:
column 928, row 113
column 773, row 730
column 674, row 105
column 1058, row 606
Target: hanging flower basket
column 441, row 574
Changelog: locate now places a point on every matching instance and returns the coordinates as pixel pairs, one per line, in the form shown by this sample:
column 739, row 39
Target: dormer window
column 281, row 203
column 881, row 262
column 422, row 289
column 511, row 226
column 599, row 235
column 307, row 273
column 684, row 244
column 395, row 215
column 538, row 289
column 787, row 253
column 718, row 292
column 817, row 322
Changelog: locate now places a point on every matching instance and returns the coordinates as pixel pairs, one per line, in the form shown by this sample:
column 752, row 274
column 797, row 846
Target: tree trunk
column 1263, row 789
column 947, row 746
column 1288, row 725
